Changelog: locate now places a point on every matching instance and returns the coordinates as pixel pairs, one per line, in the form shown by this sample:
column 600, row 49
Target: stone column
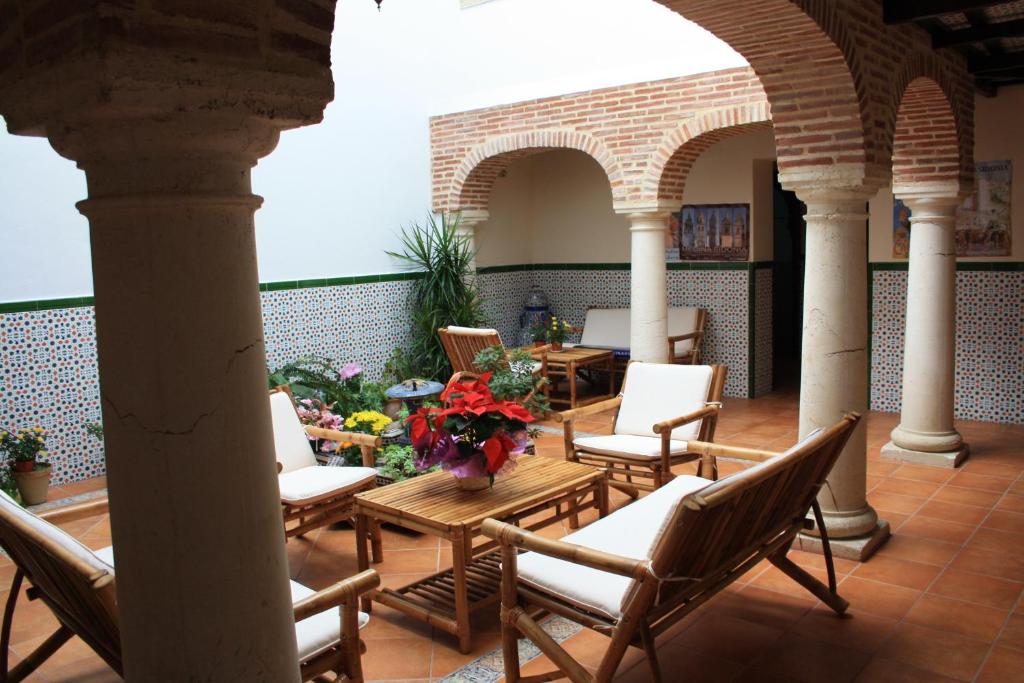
column 834, row 368
column 648, row 287
column 167, row 117
column 926, row 433
column 469, row 221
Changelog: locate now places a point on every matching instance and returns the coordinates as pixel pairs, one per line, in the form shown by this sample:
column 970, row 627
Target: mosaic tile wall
column 504, row 294
column 989, row 343
column 762, row 331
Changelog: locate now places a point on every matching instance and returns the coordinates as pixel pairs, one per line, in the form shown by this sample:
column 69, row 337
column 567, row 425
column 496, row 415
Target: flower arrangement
column 557, row 330
column 24, row 447
column 343, row 390
column 475, row 436
column 367, row 422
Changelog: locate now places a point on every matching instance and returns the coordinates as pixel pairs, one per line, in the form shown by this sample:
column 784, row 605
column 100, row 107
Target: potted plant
column 32, row 475
column 475, row 437
column 512, row 378
column 539, row 332
column 557, row 331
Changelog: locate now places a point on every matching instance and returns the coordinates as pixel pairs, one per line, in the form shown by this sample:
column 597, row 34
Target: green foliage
column 398, row 462
column 444, row 295
column 95, row 430
column 512, row 378
column 399, row 368
column 25, row 445
column 344, row 390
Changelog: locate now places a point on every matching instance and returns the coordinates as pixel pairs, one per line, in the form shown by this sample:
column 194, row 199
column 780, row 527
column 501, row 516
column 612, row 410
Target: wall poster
column 900, row 229
column 983, row 221
column 714, row 232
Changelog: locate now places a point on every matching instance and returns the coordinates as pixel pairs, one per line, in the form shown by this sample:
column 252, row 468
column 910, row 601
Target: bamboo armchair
column 638, row 571
column 660, row 408
column 463, row 343
column 313, row 496
column 79, row 587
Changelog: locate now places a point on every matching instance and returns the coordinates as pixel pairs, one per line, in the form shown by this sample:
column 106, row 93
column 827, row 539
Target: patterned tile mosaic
column 503, row 295
column 762, row 331
column 989, row 344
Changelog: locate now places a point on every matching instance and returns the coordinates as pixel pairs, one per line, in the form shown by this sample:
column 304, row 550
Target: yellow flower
column 37, row 430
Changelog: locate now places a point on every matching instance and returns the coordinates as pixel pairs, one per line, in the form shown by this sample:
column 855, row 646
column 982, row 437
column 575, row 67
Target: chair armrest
column 688, row 335
column 356, row 438
column 669, row 425
column 506, row 534
column 593, row 408
column 345, row 592
column 715, row 450
column 71, row 513
column 540, row 350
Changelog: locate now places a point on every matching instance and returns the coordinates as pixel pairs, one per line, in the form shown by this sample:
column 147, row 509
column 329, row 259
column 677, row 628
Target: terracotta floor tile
column 978, row 588
column 1003, row 665
column 953, row 512
column 880, row 599
column 956, row 616
column 966, row 496
column 774, row 580
column 978, row 463
column 729, row 638
column 887, row 569
column 924, row 473
column 892, row 502
column 981, row 482
column 937, row 651
column 1013, row 632
column 1005, row 521
column 1004, row 542
column 764, row 607
column 809, row 560
column 682, row 664
column 887, row 671
column 1011, row 503
column 881, row 469
column 398, row 658
column 917, row 549
column 857, row 629
column 981, row 561
column 810, row 661
column 937, row 529
column 908, row 487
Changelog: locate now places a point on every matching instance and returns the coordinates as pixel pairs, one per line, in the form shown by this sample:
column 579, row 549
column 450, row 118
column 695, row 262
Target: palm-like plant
column 445, row 294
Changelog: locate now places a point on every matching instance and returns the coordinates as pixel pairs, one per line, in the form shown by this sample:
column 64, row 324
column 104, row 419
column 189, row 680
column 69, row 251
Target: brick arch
column 932, row 131
column 806, row 60
column 666, row 174
column 474, row 179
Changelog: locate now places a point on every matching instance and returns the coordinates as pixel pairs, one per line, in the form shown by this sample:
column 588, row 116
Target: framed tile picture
column 714, row 232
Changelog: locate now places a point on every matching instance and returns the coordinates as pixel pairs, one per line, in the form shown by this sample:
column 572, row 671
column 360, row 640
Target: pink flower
column 349, row 370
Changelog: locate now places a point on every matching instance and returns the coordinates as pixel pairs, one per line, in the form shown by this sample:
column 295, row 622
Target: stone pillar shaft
column 202, row 572
column 926, row 432
column 833, row 377
column 648, row 323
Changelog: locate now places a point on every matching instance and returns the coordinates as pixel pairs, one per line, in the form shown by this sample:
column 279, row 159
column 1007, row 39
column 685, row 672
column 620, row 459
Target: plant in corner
column 444, row 294
column 25, row 448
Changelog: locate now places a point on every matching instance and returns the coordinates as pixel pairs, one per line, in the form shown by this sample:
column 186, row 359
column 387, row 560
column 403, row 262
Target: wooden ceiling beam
column 975, row 34
column 903, row 11
column 1011, row 61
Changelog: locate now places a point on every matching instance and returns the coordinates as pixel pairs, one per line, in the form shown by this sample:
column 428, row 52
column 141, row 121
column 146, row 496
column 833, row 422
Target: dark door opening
column 787, row 286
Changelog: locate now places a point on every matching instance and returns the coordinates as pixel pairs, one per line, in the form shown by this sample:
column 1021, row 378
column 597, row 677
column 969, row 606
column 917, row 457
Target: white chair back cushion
column 471, row 331
column 654, row 392
column 682, row 321
column 290, row 442
column 606, row 328
column 54, row 534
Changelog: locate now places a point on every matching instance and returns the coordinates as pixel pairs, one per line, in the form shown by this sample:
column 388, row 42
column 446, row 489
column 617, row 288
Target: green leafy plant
column 95, row 430
column 558, row 329
column 444, row 294
column 342, row 390
column 398, row 462
column 512, row 377
column 28, row 444
column 398, row 368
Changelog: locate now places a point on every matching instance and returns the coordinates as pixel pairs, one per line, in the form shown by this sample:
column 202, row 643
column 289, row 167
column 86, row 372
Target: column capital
column 932, row 206
column 470, row 218
column 646, row 210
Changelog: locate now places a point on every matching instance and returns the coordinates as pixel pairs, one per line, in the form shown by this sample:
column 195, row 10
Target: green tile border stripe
column 961, row 266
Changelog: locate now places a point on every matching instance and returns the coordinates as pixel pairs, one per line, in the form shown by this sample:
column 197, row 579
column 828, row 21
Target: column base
column 857, row 548
column 950, row 459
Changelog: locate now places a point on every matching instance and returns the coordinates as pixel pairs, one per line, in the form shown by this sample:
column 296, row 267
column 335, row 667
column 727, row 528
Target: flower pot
column 537, row 343
column 33, row 485
column 392, row 406
column 24, row 465
column 556, row 346
column 473, row 483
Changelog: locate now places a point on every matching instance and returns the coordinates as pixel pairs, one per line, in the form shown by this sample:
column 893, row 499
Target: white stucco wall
column 336, row 193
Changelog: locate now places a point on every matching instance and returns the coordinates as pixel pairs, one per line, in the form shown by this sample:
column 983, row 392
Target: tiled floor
column 940, row 602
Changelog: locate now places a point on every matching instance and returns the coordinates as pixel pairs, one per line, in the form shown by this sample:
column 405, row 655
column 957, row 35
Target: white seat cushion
column 606, row 328
column 315, row 634
column 472, row 331
column 320, row 632
column 310, row 484
column 290, row 442
column 55, row 535
column 628, row 446
column 632, row 531
column 682, row 321
column 654, row 392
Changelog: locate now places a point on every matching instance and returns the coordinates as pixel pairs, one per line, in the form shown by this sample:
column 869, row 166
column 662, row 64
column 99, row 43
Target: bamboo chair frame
column 301, row 519
column 715, row 536
column 84, row 601
column 462, row 350
column 631, row 475
column 691, row 357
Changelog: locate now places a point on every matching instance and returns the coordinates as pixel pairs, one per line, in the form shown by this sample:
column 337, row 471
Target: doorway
column 789, row 244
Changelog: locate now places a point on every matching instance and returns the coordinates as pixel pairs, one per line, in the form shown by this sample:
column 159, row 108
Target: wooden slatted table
column 567, row 362
column 542, row 489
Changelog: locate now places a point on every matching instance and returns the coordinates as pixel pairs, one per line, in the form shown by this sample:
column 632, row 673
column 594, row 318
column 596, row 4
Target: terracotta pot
column 392, row 406
column 24, row 465
column 538, row 343
column 556, row 346
column 473, row 483
column 33, row 485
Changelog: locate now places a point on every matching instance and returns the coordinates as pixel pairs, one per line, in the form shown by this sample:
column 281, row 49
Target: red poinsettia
column 473, row 435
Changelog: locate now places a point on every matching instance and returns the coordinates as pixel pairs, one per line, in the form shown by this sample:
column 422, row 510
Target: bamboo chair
column 660, row 408
column 685, row 348
column 635, row 573
column 79, row 587
column 463, row 343
column 313, row 496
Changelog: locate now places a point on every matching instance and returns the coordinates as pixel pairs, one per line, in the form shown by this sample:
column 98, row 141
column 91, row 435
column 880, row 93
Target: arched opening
column 926, row 147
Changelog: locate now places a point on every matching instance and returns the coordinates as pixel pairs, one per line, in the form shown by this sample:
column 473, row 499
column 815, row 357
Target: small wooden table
column 567, row 362
column 433, row 504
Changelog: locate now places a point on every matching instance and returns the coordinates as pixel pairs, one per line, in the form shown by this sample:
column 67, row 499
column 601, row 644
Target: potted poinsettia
column 25, row 448
column 474, row 436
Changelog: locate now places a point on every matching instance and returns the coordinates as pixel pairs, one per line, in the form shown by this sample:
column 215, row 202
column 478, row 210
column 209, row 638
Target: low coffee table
column 433, row 504
column 568, row 361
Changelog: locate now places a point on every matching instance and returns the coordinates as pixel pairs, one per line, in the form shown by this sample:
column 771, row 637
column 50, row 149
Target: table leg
column 362, row 556
column 611, row 374
column 571, row 371
column 459, row 562
column 602, row 497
